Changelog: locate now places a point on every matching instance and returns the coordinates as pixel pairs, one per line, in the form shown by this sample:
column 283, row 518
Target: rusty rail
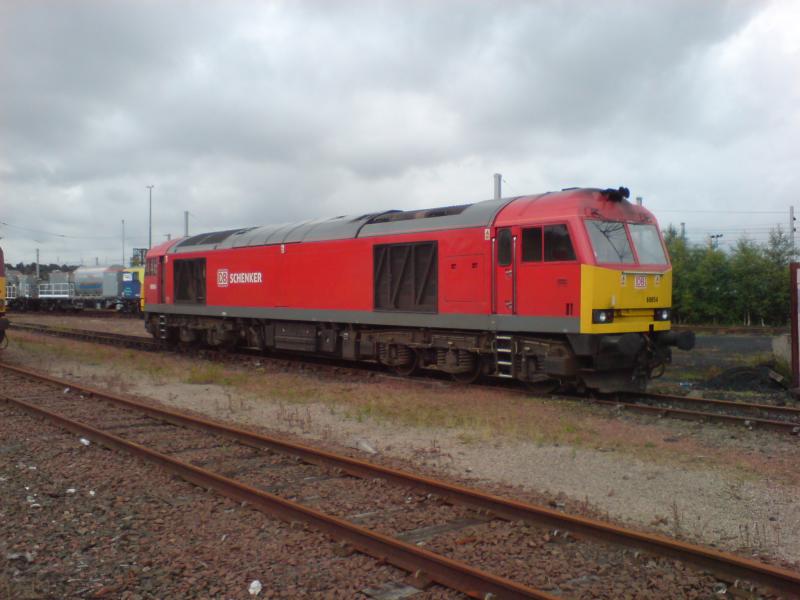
column 89, row 335
column 716, row 561
column 749, row 420
column 426, row 565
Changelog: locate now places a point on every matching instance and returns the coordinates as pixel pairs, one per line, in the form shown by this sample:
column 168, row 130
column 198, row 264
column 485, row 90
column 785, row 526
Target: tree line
column 748, row 285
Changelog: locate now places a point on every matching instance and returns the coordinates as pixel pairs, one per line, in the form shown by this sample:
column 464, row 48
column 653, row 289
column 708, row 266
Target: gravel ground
column 733, row 489
column 80, row 521
column 532, row 555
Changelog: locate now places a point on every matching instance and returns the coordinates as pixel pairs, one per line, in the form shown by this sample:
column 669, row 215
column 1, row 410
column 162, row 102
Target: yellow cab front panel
column 632, row 294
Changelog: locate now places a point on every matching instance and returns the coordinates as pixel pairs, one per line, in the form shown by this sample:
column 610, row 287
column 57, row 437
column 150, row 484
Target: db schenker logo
column 225, row 278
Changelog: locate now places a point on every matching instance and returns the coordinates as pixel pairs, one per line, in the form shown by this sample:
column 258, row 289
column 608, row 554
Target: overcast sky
column 252, row 113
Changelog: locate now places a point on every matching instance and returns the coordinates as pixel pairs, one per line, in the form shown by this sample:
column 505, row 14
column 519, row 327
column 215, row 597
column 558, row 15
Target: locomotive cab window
column 190, row 281
column 532, row 244
column 504, row 242
column 610, row 242
column 557, row 244
column 648, row 244
column 551, row 243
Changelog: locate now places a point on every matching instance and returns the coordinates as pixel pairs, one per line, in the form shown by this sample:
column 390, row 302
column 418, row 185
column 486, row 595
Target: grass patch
column 473, row 415
column 211, row 374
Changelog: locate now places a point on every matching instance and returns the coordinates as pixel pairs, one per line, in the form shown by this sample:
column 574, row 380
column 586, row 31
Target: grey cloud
column 246, row 113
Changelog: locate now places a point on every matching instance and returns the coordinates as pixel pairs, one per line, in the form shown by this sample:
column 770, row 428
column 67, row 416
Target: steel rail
column 790, row 427
column 719, row 562
column 424, row 564
column 106, row 337
column 788, row 411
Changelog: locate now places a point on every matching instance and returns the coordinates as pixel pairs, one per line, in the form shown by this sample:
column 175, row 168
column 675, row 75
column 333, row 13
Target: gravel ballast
column 711, row 484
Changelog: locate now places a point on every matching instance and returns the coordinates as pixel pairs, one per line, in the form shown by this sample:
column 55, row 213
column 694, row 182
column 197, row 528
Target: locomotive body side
column 512, row 289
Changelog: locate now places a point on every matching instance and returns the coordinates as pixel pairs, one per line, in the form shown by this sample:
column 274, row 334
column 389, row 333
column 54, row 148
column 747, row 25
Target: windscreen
column 648, row 244
column 610, row 242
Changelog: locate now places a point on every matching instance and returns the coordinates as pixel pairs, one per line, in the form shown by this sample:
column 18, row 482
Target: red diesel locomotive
column 573, row 286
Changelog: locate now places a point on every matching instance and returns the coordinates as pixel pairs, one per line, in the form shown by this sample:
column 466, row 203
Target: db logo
column 222, row 277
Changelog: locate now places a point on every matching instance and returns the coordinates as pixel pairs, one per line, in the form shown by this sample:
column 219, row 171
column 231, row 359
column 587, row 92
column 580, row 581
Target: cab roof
column 608, row 204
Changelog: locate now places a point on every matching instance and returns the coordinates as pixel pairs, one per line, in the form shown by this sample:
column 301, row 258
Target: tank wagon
column 573, row 286
column 3, row 319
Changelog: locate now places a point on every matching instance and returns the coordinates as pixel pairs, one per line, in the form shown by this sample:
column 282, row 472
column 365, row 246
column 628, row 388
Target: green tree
column 680, row 259
column 748, row 265
column 779, row 252
column 709, row 278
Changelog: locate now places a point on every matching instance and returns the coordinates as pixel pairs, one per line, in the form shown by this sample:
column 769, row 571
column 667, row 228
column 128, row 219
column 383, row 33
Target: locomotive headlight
column 662, row 314
column 602, row 316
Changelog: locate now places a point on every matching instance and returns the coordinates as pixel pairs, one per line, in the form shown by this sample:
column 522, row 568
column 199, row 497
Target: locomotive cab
column 597, row 265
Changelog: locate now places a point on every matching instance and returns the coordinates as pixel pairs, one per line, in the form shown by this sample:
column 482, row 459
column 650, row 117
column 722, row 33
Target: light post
column 150, row 218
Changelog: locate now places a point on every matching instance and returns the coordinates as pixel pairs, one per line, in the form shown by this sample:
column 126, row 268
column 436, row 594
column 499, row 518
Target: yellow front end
column 632, row 295
column 139, row 274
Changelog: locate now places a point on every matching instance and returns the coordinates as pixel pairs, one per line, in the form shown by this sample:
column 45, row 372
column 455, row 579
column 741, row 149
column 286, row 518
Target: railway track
column 89, row 335
column 785, row 419
column 770, row 417
column 480, row 544
column 87, row 312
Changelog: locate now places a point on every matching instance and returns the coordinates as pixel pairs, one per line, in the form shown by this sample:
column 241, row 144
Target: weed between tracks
column 477, row 414
column 294, row 397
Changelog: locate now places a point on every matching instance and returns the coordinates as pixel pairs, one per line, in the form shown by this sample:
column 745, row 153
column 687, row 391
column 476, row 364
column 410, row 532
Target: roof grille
column 426, row 213
column 209, row 238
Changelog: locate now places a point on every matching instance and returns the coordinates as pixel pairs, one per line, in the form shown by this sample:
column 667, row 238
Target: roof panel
column 481, row 214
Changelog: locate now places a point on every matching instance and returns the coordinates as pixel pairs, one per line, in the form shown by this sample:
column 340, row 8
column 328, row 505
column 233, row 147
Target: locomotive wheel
column 410, row 367
column 470, row 376
column 543, row 387
column 220, row 341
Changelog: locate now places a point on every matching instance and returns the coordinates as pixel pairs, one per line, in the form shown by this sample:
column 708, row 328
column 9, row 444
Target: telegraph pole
column 150, row 218
column 186, row 223
column 792, row 228
column 123, row 242
column 498, row 179
column 37, row 264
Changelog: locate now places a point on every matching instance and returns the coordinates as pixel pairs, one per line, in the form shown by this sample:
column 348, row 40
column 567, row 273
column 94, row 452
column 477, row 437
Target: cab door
column 162, row 280
column 505, row 272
